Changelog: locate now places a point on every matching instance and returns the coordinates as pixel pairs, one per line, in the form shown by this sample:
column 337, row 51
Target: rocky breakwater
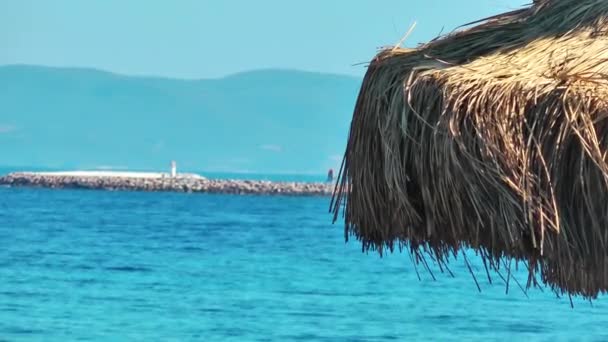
column 175, row 184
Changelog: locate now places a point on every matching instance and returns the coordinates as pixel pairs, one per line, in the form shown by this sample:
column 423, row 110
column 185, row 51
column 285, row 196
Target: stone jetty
column 176, row 184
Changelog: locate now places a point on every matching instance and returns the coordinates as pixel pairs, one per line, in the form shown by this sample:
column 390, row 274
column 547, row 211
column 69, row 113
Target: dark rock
column 241, row 187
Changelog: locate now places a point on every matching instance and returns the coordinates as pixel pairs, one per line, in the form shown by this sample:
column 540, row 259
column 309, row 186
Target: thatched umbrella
column 493, row 138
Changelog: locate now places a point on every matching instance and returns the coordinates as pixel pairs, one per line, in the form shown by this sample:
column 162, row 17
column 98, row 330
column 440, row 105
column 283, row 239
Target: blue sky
column 206, row 39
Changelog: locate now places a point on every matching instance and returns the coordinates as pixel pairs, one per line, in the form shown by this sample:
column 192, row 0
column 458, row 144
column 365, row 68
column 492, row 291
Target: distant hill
column 260, row 121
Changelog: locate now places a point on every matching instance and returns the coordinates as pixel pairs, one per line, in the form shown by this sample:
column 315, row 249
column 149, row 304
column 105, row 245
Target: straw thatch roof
column 494, row 138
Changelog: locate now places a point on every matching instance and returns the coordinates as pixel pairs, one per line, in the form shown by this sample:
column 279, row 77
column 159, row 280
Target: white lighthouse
column 173, row 169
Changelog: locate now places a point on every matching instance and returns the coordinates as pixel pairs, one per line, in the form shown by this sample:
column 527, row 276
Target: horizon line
column 16, row 168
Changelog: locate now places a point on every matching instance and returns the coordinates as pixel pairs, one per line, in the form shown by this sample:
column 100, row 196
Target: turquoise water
column 121, row 266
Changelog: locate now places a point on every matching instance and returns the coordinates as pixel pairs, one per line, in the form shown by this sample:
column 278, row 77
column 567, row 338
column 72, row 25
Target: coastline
column 160, row 182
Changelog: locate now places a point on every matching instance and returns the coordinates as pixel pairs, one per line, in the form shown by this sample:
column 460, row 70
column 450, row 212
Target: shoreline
column 158, row 182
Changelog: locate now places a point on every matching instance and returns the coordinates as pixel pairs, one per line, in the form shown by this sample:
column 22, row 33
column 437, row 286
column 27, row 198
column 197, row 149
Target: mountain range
column 270, row 121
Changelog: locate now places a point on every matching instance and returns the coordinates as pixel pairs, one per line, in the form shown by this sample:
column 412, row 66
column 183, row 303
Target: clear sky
column 205, row 38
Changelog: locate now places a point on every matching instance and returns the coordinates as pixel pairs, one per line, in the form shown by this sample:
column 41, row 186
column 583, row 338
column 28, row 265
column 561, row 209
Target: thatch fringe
column 494, row 138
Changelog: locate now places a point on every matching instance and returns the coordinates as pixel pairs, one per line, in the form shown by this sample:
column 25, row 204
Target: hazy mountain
column 263, row 121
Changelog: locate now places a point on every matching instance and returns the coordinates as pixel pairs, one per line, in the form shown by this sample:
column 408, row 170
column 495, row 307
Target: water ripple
column 114, row 266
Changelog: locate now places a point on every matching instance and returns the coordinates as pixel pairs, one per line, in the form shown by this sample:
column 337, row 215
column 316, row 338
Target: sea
column 87, row 265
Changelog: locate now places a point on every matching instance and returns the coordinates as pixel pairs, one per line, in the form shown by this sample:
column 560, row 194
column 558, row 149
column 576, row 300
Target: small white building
column 173, row 169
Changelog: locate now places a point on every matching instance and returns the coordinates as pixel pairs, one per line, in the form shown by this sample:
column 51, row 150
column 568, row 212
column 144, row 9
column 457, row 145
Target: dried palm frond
column 493, row 138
